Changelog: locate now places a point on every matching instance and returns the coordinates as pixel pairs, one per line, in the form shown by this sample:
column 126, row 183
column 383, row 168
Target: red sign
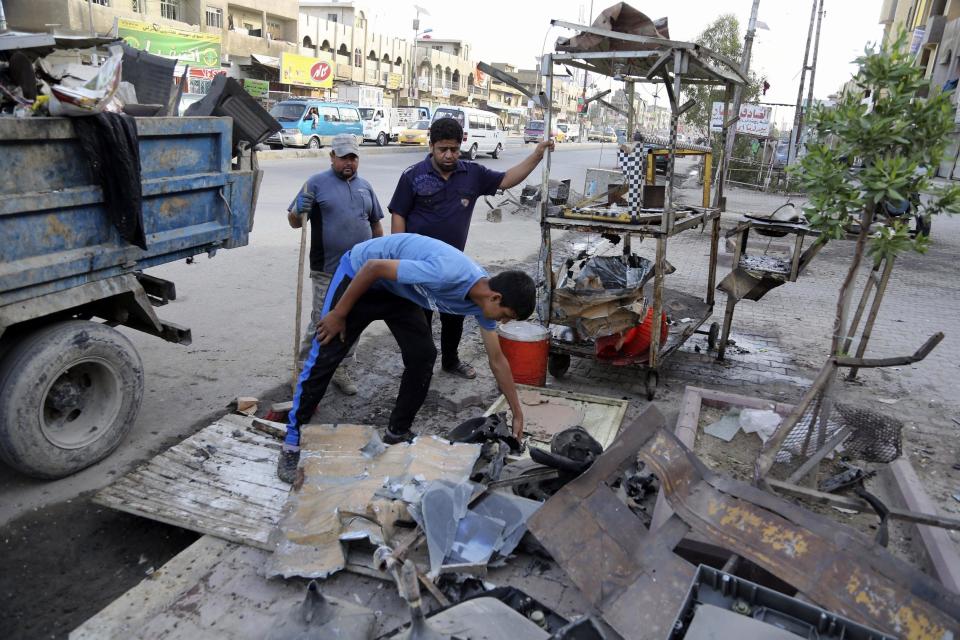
column 320, row 71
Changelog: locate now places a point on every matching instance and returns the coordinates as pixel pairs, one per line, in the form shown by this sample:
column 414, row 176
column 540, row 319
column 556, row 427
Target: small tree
column 899, row 139
column 721, row 36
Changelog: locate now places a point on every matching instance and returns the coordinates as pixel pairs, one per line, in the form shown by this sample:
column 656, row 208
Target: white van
column 483, row 131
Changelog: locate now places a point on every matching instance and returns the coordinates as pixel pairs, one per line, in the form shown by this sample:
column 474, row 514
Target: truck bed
column 54, row 230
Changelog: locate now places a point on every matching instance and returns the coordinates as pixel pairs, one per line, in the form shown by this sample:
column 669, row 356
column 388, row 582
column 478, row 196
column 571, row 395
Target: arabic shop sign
column 256, row 88
column 191, row 48
column 754, row 119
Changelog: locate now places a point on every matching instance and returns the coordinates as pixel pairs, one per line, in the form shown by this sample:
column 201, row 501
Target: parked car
column 595, row 135
column 483, row 132
column 608, row 135
column 416, row 133
column 313, row 123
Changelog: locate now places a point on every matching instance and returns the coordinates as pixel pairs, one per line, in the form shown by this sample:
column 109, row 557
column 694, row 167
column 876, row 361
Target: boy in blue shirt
column 394, row 279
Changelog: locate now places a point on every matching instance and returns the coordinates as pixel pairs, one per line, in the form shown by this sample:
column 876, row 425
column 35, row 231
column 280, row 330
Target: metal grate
column 874, row 437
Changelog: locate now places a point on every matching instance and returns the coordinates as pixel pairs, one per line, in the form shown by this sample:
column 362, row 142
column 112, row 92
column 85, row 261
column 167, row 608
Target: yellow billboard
column 306, row 71
column 394, row 80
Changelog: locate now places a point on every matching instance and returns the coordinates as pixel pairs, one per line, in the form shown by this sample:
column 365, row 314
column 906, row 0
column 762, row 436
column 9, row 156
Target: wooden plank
column 233, row 494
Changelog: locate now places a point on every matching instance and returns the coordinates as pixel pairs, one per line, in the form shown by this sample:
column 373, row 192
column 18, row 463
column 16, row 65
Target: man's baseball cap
column 345, row 144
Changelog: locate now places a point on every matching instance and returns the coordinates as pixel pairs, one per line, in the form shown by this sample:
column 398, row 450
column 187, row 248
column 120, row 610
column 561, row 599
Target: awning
column 267, row 61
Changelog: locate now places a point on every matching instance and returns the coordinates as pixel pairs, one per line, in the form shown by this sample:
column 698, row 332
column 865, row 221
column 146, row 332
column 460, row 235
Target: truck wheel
column 472, row 154
column 314, row 143
column 382, row 139
column 69, row 393
column 496, row 152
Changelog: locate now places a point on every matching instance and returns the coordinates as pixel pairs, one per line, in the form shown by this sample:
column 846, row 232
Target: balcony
column 423, row 84
column 477, row 90
column 934, row 31
column 240, row 44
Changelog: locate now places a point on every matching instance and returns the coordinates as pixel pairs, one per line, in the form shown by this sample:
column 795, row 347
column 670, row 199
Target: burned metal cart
column 645, row 59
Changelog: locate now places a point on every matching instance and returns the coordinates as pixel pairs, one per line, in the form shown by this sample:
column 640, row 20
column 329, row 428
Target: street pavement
column 240, row 306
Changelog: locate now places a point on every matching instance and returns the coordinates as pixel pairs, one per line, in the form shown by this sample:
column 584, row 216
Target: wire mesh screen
column 874, row 437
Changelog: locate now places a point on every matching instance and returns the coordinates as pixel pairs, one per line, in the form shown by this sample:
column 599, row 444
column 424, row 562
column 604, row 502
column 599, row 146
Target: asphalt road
column 240, row 306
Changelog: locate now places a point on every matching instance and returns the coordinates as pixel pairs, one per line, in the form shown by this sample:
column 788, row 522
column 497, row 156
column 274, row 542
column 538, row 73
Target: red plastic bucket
column 526, row 346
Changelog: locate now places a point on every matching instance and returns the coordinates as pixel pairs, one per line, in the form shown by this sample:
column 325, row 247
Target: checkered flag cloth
column 632, row 166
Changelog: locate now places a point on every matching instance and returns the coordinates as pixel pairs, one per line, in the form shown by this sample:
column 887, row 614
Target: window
column 170, row 9
column 474, row 122
column 357, row 58
column 137, row 6
column 274, row 29
column 102, row 3
column 330, row 114
column 215, row 17
column 331, row 17
column 349, row 115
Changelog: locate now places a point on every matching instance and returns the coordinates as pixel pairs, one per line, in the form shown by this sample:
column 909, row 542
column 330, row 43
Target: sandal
column 463, row 370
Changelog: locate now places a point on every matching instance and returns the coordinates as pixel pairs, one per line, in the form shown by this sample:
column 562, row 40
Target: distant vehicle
column 483, row 132
column 405, row 117
column 781, row 154
column 313, row 123
column 595, row 135
column 377, row 125
column 608, row 135
column 621, row 136
column 533, row 132
column 570, row 131
column 417, row 133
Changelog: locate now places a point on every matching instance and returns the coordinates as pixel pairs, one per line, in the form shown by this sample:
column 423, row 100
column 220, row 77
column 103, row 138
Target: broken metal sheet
column 831, row 564
column 476, row 540
column 481, row 618
column 442, row 507
column 513, row 510
column 336, row 499
column 629, row 574
column 714, row 623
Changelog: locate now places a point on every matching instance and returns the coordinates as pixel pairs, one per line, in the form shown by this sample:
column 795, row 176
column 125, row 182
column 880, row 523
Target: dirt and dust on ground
column 61, row 565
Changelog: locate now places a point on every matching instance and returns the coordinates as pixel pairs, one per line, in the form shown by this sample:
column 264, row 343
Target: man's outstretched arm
column 334, row 323
column 504, row 376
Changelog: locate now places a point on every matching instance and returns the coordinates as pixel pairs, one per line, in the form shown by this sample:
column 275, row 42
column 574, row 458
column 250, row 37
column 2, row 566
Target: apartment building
column 231, row 34
column 933, row 28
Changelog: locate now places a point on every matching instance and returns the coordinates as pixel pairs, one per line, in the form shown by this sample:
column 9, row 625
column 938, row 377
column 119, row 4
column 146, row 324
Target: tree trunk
column 843, row 299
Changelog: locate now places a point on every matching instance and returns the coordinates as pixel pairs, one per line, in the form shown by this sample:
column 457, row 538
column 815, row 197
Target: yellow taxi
column 417, row 133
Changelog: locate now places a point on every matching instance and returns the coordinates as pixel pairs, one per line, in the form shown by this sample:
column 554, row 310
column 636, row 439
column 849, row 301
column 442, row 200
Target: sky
column 515, row 31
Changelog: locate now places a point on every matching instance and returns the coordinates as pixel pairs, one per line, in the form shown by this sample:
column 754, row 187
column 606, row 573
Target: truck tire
column 69, row 393
column 382, row 139
column 314, row 143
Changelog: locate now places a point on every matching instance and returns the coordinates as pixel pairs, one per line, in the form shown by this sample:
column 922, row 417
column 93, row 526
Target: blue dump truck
column 71, row 384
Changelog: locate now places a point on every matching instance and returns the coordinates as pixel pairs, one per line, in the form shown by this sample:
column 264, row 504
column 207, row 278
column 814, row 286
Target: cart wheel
column 557, row 364
column 712, row 336
column 651, row 380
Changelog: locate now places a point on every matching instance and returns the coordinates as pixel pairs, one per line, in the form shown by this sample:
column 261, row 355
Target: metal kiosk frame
column 653, row 60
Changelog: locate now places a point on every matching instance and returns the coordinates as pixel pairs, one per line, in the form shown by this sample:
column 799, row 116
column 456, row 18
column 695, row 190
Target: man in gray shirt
column 343, row 211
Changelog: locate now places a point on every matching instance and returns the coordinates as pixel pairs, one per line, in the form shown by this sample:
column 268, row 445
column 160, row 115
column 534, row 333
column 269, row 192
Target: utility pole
column 813, row 69
column 798, row 114
column 583, row 114
column 731, row 134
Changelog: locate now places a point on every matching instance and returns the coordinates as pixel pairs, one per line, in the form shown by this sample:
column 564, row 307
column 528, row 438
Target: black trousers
column 451, row 331
column 408, row 326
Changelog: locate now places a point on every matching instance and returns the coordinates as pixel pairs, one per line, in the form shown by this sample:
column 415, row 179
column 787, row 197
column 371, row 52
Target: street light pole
column 731, row 135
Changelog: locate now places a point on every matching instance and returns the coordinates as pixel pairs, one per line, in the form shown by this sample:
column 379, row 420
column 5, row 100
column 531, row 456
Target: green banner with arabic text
column 192, row 48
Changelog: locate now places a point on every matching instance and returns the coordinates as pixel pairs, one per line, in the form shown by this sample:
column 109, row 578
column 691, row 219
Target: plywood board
column 338, row 488
column 548, row 411
column 221, row 481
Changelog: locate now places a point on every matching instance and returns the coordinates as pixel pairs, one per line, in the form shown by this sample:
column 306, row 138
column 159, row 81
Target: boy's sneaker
column 389, row 437
column 287, row 465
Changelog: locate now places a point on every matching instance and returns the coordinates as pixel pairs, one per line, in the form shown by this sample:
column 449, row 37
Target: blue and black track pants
column 408, row 325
